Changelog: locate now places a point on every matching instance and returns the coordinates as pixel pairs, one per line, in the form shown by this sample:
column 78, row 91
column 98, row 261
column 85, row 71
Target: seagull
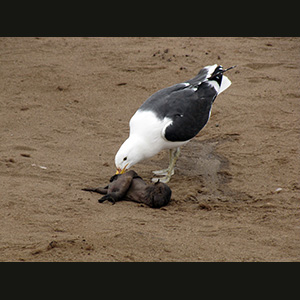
column 170, row 118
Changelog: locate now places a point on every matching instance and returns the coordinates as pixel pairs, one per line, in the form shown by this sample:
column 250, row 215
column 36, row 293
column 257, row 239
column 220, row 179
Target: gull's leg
column 174, row 154
column 165, row 171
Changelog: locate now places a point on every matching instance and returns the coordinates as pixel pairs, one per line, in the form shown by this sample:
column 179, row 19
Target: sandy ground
column 65, row 104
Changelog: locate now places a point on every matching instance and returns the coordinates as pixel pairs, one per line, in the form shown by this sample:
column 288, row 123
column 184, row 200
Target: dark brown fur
column 131, row 187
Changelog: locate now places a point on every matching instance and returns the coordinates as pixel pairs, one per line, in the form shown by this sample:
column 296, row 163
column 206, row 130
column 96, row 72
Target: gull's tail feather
column 222, row 80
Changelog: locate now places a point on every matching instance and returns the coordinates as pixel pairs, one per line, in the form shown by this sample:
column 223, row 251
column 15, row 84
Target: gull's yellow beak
column 121, row 171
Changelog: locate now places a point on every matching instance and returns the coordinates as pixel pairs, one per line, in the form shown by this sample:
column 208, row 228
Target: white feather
column 210, row 69
column 146, row 139
column 224, row 85
column 225, row 81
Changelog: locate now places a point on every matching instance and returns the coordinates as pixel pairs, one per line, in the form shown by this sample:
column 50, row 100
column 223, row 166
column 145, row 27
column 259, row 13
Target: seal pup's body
column 131, row 187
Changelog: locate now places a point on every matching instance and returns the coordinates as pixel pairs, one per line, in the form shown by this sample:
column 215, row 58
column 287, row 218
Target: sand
column 65, row 104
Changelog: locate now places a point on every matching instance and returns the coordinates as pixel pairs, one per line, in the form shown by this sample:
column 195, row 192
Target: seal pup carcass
column 131, row 187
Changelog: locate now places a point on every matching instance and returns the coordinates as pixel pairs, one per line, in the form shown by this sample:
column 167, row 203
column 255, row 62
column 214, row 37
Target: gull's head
column 129, row 154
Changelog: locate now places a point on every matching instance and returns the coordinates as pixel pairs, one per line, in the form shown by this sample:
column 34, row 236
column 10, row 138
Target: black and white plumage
column 170, row 118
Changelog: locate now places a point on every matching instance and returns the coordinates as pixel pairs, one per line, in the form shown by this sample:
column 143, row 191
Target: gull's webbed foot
column 164, row 179
column 163, row 172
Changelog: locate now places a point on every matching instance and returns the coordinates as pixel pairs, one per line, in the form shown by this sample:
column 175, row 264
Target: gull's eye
column 125, row 158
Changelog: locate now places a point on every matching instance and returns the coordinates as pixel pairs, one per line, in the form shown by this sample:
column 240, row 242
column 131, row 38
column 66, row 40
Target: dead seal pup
column 131, row 187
